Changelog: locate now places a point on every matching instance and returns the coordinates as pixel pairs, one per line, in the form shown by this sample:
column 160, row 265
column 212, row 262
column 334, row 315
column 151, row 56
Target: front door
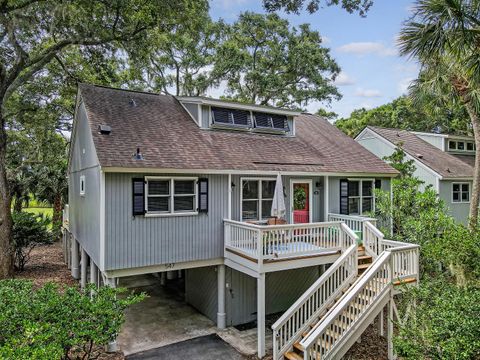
column 301, row 201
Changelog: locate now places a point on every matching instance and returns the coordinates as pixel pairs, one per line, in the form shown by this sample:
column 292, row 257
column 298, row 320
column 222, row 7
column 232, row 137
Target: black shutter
column 344, row 196
column 378, row 184
column 203, row 195
column 138, row 196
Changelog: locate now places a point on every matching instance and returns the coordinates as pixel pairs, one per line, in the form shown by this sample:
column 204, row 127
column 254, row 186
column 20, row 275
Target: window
column 357, row 196
column 82, row 185
column 257, row 198
column 470, row 146
column 452, row 145
column 460, row 146
column 230, row 117
column 270, row 121
column 460, row 192
column 171, row 195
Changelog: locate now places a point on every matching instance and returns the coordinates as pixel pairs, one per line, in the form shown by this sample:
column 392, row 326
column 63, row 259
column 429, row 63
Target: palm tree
column 444, row 36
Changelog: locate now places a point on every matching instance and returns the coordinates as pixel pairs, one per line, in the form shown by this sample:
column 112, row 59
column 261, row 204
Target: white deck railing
column 305, row 311
column 354, row 222
column 396, row 260
column 265, row 242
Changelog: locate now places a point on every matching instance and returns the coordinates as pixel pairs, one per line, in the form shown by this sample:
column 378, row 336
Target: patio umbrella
column 278, row 204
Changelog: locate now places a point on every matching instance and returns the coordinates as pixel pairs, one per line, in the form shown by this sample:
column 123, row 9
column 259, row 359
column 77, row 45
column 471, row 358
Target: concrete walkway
column 161, row 319
column 210, row 347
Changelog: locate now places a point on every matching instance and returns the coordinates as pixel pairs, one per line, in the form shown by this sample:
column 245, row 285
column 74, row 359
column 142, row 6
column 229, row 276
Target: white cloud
column 326, row 39
column 343, row 79
column 404, row 84
column 366, row 48
column 368, row 93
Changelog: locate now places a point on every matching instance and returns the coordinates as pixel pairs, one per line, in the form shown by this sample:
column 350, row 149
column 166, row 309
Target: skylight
column 270, row 121
column 230, row 117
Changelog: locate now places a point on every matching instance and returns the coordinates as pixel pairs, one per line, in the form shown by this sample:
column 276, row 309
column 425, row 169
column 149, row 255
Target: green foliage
column 407, row 114
column 266, row 61
column 29, row 230
column 299, row 198
column 51, row 324
column 398, row 162
column 445, row 323
column 295, row 6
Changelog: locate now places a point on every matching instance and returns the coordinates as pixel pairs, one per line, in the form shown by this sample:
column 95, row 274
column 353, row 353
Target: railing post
column 260, row 248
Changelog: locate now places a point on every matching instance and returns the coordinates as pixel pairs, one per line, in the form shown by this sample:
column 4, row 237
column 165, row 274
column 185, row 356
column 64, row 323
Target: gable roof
column 443, row 163
column 168, row 138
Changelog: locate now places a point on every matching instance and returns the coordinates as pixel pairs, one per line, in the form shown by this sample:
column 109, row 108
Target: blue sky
column 372, row 71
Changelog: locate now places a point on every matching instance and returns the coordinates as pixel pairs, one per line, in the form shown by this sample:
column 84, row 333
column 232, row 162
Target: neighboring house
column 443, row 161
column 160, row 183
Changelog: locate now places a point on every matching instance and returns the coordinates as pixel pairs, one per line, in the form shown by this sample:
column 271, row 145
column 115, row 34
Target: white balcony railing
column 265, row 242
column 354, row 222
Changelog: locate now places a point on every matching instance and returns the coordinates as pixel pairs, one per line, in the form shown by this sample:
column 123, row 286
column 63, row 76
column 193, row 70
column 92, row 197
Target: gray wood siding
column 84, row 211
column 459, row 211
column 283, row 288
column 143, row 241
column 317, row 195
column 201, row 290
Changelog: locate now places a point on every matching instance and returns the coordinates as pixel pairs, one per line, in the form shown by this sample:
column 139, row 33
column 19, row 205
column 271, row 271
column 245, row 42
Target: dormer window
column 230, row 117
column 270, row 121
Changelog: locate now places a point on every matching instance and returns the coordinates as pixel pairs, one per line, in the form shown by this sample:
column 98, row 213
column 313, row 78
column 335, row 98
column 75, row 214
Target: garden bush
column 29, row 230
column 51, row 324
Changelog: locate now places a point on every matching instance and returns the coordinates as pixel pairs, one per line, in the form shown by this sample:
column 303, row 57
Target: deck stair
column 325, row 324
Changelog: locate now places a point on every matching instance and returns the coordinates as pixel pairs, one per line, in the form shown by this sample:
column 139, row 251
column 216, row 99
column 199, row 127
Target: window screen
column 231, row 117
column 270, row 121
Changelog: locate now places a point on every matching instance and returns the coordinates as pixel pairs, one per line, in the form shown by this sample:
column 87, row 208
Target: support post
column 83, row 268
column 381, row 330
column 261, row 314
column 163, row 278
column 75, row 259
column 93, row 273
column 390, row 329
column 221, row 315
column 112, row 345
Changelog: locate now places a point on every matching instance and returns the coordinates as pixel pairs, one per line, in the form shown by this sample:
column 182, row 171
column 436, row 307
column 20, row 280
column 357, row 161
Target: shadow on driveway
column 210, row 347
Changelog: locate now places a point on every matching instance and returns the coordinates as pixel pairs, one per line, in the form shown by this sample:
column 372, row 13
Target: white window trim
column 82, row 181
column 460, row 193
column 171, row 195
column 360, row 196
column 259, row 200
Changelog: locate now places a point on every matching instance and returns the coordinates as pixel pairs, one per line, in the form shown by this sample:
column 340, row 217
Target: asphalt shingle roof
column 445, row 164
column 168, row 138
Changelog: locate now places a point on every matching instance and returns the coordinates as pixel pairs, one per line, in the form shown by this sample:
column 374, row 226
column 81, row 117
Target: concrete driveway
column 161, row 319
column 209, row 347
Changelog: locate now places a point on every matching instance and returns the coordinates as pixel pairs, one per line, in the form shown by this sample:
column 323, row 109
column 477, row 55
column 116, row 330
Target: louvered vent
column 271, row 121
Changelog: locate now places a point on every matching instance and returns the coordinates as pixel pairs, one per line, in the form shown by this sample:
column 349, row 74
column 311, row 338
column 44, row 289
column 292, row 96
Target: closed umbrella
column 278, row 205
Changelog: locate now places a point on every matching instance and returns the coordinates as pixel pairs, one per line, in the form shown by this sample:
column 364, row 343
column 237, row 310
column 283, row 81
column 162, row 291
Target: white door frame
column 310, row 197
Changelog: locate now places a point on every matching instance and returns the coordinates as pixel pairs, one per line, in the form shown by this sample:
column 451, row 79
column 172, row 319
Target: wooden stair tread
column 363, row 266
column 293, row 356
column 365, row 257
column 298, row 346
column 404, row 281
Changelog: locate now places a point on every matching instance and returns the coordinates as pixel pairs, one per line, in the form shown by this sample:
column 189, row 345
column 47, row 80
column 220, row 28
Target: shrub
column 444, row 325
column 29, row 230
column 52, row 324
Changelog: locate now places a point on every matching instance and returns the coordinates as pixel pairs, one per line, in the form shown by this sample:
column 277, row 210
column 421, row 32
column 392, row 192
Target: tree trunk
column 57, row 216
column 475, row 196
column 6, row 250
column 17, row 207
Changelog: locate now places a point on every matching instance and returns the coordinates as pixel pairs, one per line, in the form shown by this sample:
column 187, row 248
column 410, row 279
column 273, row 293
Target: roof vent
column 138, row 155
column 420, row 156
column 132, row 102
column 105, row 129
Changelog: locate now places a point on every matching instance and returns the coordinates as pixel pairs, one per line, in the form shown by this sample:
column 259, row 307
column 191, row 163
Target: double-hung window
column 460, row 192
column 257, row 198
column 170, row 195
column 357, row 196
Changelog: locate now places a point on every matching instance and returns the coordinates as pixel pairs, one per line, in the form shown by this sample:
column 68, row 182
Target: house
column 162, row 184
column 442, row 161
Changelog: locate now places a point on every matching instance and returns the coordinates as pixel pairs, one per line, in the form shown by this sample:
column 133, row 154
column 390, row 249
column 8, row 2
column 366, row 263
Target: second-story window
column 357, row 197
column 170, row 195
column 460, row 192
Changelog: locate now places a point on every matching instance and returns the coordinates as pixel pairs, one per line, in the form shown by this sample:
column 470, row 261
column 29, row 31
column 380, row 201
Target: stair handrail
column 372, row 239
column 381, row 266
column 304, row 312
